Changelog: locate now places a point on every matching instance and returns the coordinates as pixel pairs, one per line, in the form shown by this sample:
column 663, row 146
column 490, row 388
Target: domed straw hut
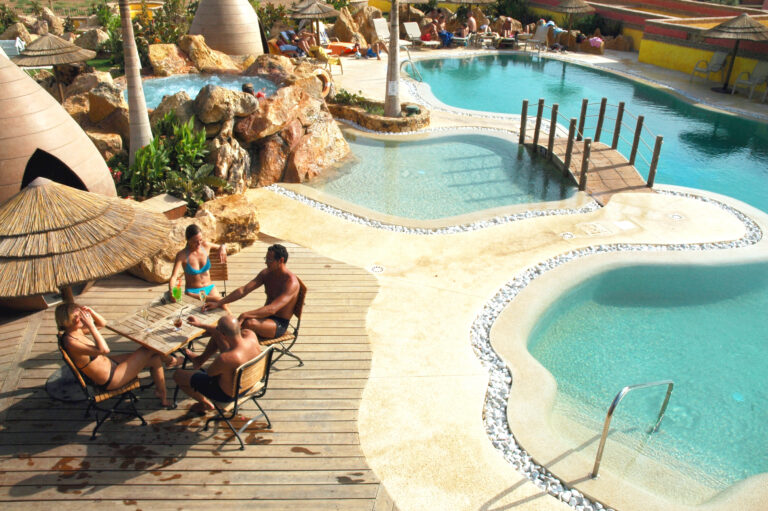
column 40, row 139
column 229, row 26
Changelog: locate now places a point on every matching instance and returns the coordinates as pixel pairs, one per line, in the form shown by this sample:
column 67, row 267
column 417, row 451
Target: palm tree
column 140, row 129
column 392, row 97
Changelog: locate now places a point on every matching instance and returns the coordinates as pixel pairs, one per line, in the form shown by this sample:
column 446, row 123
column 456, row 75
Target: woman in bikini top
column 92, row 355
column 194, row 262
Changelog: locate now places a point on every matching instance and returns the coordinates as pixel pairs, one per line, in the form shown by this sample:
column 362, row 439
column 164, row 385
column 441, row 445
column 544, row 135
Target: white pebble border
column 500, row 378
column 452, row 229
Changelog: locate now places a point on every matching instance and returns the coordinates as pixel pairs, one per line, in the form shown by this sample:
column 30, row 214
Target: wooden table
column 158, row 333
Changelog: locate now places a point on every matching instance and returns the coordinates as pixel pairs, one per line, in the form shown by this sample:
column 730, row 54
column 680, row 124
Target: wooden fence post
column 569, row 147
column 582, row 118
column 617, row 128
column 585, row 164
column 552, row 130
column 600, row 119
column 655, row 161
column 636, row 141
column 523, row 118
column 536, row 129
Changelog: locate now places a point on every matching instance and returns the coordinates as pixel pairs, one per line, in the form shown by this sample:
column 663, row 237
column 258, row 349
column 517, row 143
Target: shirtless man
column 471, row 23
column 237, row 347
column 282, row 288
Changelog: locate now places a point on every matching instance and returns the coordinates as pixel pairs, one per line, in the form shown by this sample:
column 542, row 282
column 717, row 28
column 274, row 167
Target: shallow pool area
column 702, row 327
column 441, row 175
column 156, row 88
column 702, row 148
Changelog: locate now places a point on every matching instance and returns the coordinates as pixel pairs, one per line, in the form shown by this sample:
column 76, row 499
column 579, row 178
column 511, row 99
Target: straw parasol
column 314, row 10
column 50, row 50
column 571, row 8
column 52, row 236
column 740, row 27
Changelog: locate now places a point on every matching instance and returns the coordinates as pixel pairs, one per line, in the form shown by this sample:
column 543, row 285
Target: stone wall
column 374, row 122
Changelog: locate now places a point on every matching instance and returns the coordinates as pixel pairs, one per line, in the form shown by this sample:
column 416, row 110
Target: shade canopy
column 573, row 7
column 742, row 27
column 314, row 10
column 50, row 50
column 52, row 236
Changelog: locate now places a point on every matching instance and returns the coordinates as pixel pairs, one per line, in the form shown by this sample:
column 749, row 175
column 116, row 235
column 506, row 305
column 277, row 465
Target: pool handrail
column 611, row 409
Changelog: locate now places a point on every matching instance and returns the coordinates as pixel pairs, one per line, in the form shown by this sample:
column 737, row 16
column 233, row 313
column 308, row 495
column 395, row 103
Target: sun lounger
column 413, row 34
column 539, row 39
column 715, row 65
column 381, row 28
column 751, row 80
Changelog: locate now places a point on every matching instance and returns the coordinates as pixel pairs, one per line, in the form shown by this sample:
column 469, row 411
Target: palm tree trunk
column 392, row 97
column 140, row 129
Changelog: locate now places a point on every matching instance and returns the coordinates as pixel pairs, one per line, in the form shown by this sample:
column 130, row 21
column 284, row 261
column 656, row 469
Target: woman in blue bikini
column 195, row 262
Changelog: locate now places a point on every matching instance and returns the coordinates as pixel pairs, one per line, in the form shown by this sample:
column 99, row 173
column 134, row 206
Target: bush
column 270, row 14
column 344, row 97
column 588, row 24
column 7, row 17
column 172, row 163
column 517, row 9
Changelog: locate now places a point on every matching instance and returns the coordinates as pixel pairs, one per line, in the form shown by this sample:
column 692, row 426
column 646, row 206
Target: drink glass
column 202, row 296
column 177, row 322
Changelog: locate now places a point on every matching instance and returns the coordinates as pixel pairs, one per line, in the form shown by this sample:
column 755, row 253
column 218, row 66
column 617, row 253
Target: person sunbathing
column 194, row 261
column 374, row 50
column 92, row 355
column 429, row 33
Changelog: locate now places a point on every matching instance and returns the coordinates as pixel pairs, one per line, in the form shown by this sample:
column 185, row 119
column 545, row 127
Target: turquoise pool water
column 705, row 328
column 702, row 149
column 156, row 88
column 441, row 176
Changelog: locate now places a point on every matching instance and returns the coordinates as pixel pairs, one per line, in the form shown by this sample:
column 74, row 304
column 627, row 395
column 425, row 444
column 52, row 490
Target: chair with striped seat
column 95, row 395
column 285, row 342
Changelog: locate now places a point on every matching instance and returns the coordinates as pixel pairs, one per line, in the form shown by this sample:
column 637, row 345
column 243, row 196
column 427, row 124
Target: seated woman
column 92, row 358
column 194, row 260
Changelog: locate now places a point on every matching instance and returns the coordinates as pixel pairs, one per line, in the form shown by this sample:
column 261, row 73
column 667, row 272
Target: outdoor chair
column 97, row 395
column 320, row 54
column 751, row 80
column 323, row 38
column 381, row 28
column 539, row 39
column 285, row 342
column 219, row 272
column 413, row 34
column 714, row 65
column 251, row 381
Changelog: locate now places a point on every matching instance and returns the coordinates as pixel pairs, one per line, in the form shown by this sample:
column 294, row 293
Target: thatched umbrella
column 740, row 27
column 51, row 50
column 571, row 8
column 314, row 10
column 53, row 236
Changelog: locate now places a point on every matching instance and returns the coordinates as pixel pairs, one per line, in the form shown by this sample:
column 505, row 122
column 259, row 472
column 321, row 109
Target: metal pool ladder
column 416, row 72
column 608, row 416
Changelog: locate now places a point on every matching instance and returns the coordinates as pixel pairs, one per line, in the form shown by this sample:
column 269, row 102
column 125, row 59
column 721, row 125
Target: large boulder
column 180, row 103
column 346, row 29
column 87, row 81
column 364, row 21
column 275, row 68
column 108, row 144
column 104, row 100
column 39, row 28
column 321, row 146
column 273, row 155
column 236, row 219
column 55, row 23
column 17, row 30
column 168, row 59
column 216, row 104
column 230, row 160
column 274, row 113
column 27, row 21
column 77, row 106
column 204, row 58
column 619, row 43
column 409, row 13
column 92, row 39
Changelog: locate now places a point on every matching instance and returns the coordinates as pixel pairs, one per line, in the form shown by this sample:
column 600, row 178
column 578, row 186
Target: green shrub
column 7, row 17
column 344, row 97
column 517, row 9
column 588, row 24
column 69, row 24
column 270, row 14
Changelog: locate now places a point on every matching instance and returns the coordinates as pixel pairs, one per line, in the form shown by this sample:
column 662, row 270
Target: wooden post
column 569, row 147
column 617, row 128
column 582, row 118
column 585, row 164
column 523, row 118
column 552, row 130
column 536, row 129
column 600, row 119
column 655, row 161
column 636, row 141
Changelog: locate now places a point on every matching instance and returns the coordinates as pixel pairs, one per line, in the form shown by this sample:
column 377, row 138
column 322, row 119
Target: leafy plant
column 36, row 7
column 338, row 4
column 114, row 47
column 69, row 24
column 7, row 17
column 588, row 24
column 270, row 14
column 344, row 97
column 517, row 9
column 107, row 18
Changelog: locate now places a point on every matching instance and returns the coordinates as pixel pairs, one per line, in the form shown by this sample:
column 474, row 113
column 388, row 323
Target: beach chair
column 285, row 342
column 95, row 395
column 323, row 38
column 219, row 272
column 321, row 54
column 714, row 65
column 413, row 34
column 381, row 29
column 751, row 80
column 251, row 381
column 539, row 39
column 12, row 47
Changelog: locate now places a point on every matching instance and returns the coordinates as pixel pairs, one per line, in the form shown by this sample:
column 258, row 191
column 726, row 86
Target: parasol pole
column 730, row 66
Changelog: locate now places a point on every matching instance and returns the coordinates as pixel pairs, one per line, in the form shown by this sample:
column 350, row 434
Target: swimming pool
column 441, row 176
column 695, row 325
column 156, row 88
column 702, row 148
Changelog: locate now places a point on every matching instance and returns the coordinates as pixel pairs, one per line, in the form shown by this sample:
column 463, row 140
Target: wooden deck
column 609, row 171
column 310, row 459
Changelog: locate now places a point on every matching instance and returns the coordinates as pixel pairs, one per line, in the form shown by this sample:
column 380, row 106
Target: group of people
column 235, row 338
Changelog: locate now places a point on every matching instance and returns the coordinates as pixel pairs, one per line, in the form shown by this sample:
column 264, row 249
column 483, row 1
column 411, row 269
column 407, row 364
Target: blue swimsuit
column 191, row 271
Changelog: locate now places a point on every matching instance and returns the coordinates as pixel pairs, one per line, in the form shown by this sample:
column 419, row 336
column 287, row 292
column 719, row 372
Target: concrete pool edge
column 501, row 392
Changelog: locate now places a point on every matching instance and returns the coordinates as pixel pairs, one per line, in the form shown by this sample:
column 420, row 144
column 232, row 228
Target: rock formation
column 204, row 57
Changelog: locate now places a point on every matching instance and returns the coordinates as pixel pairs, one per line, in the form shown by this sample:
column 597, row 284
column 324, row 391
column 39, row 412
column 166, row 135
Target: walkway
column 310, row 459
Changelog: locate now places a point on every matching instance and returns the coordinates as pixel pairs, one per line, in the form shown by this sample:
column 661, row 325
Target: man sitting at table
column 271, row 320
column 237, row 347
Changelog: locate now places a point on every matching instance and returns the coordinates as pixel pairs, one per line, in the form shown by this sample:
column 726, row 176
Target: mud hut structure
column 229, row 26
